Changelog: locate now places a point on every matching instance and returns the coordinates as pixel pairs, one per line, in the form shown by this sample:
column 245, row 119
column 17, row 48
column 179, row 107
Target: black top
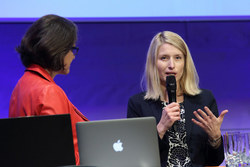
column 200, row 151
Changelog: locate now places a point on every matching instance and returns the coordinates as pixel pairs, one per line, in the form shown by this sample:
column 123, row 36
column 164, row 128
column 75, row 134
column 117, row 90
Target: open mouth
column 170, row 73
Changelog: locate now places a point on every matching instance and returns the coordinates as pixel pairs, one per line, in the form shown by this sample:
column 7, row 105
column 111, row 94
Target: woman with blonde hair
column 196, row 139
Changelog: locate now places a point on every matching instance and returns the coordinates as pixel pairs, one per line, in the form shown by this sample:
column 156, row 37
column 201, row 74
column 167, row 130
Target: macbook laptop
column 131, row 142
column 37, row 141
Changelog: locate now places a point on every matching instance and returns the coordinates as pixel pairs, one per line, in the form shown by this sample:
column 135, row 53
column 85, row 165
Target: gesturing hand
column 170, row 114
column 209, row 122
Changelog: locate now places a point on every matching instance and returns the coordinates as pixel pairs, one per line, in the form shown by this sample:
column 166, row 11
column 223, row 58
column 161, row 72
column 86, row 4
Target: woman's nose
column 171, row 63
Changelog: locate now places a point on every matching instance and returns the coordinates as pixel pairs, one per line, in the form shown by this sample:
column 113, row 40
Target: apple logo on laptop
column 117, row 146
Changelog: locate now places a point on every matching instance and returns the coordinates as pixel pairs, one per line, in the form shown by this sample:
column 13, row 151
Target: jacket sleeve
column 214, row 157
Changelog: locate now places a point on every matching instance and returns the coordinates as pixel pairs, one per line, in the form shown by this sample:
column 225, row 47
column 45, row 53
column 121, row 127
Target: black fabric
column 201, row 153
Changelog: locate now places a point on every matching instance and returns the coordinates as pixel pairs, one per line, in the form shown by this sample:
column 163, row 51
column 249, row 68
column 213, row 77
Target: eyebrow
column 169, row 55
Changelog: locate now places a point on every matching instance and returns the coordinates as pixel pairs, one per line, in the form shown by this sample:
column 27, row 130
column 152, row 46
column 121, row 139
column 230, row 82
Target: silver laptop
column 131, row 142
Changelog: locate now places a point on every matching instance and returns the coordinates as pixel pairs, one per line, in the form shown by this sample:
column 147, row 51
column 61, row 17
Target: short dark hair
column 47, row 42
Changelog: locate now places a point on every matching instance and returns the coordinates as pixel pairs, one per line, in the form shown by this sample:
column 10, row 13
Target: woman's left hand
column 209, row 122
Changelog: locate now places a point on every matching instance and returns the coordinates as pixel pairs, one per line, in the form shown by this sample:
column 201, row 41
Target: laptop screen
column 129, row 142
column 36, row 141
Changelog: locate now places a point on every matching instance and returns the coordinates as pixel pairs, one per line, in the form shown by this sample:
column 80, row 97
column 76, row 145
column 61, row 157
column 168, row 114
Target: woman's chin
column 65, row 71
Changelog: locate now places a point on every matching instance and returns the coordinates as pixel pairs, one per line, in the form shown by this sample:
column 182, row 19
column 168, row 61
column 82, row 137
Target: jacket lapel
column 189, row 107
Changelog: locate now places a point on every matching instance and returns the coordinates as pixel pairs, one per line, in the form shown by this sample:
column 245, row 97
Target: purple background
column 111, row 61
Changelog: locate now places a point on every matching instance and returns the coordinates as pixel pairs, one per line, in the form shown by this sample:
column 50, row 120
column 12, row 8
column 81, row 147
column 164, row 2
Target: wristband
column 214, row 141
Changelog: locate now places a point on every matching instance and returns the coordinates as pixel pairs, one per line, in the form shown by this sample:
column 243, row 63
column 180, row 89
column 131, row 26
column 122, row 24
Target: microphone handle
column 172, row 98
column 171, row 90
column 175, row 126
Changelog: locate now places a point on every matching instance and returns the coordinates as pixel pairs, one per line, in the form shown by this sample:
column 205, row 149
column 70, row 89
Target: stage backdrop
column 111, row 61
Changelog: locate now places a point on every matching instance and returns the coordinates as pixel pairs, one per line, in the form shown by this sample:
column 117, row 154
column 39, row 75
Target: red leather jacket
column 36, row 93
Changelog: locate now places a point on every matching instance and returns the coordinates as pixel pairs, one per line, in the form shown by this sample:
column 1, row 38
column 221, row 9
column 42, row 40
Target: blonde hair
column 189, row 82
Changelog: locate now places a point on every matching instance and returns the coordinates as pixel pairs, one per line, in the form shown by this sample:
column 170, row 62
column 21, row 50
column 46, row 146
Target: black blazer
column 201, row 153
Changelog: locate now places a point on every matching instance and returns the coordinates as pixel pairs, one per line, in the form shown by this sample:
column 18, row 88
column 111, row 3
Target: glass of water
column 247, row 139
column 231, row 149
column 236, row 148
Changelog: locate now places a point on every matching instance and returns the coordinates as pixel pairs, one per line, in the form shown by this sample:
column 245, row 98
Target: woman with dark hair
column 47, row 49
column 195, row 139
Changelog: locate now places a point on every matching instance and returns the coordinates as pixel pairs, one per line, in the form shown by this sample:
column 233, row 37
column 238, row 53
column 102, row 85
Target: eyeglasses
column 75, row 50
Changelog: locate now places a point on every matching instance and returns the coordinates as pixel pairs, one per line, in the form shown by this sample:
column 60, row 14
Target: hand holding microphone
column 170, row 113
column 171, row 90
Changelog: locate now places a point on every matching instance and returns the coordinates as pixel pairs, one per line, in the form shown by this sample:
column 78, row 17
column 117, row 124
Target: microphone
column 171, row 90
